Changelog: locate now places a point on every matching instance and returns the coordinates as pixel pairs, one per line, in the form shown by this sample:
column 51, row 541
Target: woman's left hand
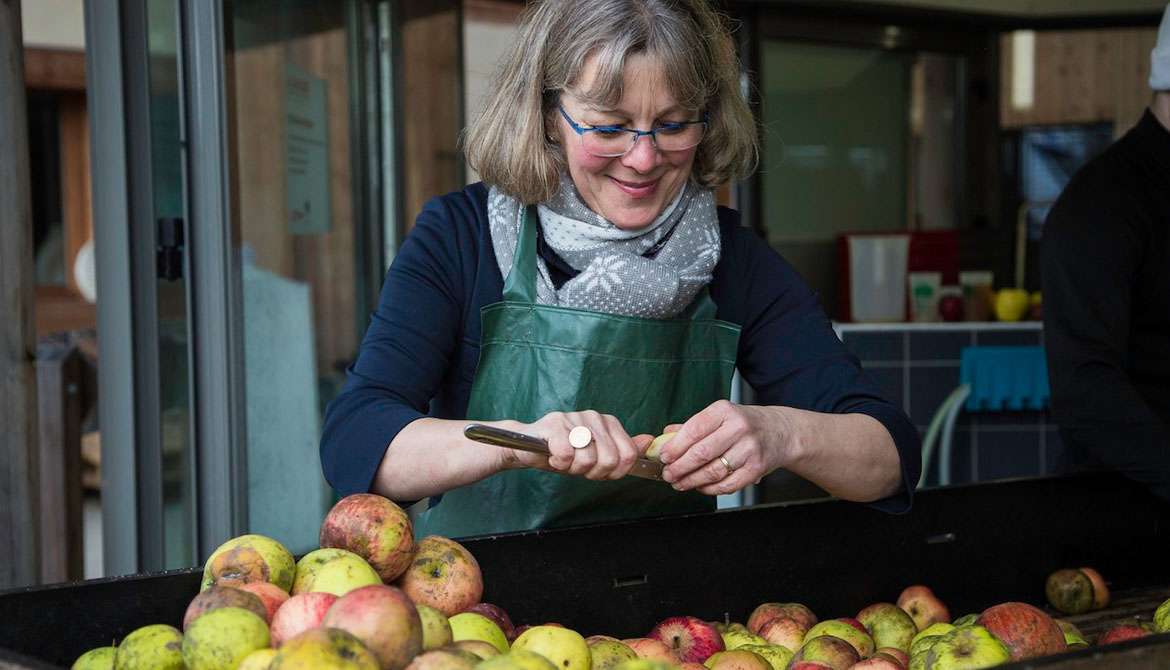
column 726, row 447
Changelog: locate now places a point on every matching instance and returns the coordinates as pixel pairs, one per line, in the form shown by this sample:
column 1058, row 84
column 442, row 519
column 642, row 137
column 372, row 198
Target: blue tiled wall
column 918, row 367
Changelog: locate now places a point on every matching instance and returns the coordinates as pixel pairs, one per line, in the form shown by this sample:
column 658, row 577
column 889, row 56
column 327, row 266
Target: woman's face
column 631, row 190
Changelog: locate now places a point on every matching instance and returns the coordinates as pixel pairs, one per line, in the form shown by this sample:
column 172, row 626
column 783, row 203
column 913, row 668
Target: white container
column 924, row 292
column 877, row 277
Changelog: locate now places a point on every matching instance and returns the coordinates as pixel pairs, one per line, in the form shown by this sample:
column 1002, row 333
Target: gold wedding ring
column 727, row 464
column 580, row 437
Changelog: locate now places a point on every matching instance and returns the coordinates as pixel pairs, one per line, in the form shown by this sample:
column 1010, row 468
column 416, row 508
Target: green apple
column 779, row 657
column 737, row 659
column 889, row 625
column 564, row 647
column 222, row 638
column 734, row 638
column 335, row 571
column 965, row 647
column 933, row 630
column 100, row 658
column 257, row 660
column 605, row 654
column 324, row 649
column 472, row 626
column 517, row 659
column 1162, row 617
column 1069, row 591
column 156, row 646
column 249, row 558
column 484, row 650
column 845, row 629
column 436, row 628
column 965, row 620
column 644, row 664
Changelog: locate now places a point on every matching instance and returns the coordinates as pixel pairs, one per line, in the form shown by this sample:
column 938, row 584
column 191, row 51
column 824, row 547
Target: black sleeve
column 791, row 356
column 1092, row 251
column 404, row 355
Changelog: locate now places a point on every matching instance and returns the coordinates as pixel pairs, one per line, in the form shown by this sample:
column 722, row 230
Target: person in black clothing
column 1106, row 275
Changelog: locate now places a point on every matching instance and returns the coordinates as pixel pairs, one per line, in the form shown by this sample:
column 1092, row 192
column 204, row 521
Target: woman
column 614, row 295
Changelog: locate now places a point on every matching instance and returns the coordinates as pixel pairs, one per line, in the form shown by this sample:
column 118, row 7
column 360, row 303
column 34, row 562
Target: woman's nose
column 642, row 156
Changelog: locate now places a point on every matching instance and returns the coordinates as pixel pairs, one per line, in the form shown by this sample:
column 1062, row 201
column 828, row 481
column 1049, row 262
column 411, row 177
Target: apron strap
column 520, row 286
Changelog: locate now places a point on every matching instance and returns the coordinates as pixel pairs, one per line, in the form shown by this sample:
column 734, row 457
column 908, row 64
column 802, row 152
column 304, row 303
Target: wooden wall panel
column 1082, row 76
column 431, row 104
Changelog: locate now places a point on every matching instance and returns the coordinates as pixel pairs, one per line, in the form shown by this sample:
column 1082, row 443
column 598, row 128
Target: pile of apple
column 372, row 599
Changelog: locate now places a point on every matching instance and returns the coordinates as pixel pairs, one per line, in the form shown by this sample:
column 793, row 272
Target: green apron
column 535, row 359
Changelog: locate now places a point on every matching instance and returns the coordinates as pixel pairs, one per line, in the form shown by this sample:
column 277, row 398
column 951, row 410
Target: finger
column 554, row 428
column 672, row 428
column 627, row 448
column 739, row 459
column 585, row 458
column 609, row 452
column 642, row 442
column 740, row 479
column 695, row 429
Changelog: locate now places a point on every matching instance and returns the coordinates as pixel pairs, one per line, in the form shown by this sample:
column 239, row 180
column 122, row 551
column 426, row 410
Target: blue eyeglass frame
column 653, row 132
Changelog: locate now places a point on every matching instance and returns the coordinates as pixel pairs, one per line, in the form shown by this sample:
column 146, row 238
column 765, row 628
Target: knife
column 643, row 467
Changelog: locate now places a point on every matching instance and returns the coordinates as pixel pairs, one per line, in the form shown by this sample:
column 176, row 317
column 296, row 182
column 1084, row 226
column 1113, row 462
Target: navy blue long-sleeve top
column 419, row 355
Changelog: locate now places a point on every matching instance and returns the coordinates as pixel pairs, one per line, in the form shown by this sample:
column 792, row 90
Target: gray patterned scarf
column 614, row 276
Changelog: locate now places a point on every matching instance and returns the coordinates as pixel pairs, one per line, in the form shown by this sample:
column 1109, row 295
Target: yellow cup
column 1011, row 304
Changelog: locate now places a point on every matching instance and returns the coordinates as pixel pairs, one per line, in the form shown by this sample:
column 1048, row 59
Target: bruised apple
column 1069, row 591
column 271, row 595
column 324, row 648
column 691, row 639
column 737, row 659
column 374, row 528
column 443, row 575
column 832, row 651
column 564, row 647
column 217, row 597
column 222, row 638
column 384, row 619
column 845, row 629
column 778, row 657
column 650, row 648
column 498, row 615
column 250, row 558
column 443, row 659
column 1027, row 631
column 964, row 647
column 472, row 626
column 606, row 654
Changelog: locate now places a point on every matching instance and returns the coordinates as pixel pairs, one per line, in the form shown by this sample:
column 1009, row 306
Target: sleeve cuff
column 909, row 447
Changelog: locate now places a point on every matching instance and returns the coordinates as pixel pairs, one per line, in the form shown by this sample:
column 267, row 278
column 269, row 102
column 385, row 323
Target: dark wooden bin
column 975, row 545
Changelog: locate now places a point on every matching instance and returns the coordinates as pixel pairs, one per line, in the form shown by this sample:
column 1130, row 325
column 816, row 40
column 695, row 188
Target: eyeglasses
column 613, row 141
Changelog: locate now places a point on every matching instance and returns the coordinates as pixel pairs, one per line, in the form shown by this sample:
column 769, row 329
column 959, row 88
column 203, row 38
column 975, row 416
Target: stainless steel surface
column 644, row 468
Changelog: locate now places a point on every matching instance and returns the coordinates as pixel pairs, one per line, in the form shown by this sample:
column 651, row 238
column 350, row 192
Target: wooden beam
column 19, row 507
column 54, row 69
column 59, row 389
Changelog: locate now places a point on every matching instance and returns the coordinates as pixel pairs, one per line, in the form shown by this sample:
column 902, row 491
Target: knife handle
column 644, row 468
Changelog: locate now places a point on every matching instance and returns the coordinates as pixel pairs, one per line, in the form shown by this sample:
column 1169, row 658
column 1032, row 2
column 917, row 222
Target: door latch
column 169, row 248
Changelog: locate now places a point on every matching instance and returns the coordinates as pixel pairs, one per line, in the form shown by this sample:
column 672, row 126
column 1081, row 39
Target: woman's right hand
column 610, row 455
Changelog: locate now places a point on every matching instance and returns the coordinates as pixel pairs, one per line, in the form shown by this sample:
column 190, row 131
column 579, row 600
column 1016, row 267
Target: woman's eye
column 608, row 131
column 670, row 128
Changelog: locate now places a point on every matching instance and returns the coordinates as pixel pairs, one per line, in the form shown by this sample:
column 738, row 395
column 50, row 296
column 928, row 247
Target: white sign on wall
column 306, row 152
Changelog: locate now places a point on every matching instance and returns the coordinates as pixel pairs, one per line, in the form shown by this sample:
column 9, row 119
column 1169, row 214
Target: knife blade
column 643, row 467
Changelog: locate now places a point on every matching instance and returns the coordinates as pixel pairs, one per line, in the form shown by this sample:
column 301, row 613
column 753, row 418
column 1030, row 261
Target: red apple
column 760, row 616
column 384, row 619
column 443, row 575
column 298, row 614
column 646, row 647
column 498, row 615
column 375, row 529
column 923, row 606
column 1121, row 634
column 270, row 594
column 216, row 597
column 784, row 631
column 809, row 665
column 832, row 651
column 444, row 659
column 889, row 625
column 691, row 639
column 1027, row 631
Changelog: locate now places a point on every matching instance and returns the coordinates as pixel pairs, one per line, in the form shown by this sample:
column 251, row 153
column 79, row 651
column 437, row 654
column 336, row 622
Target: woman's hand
column 610, row 455
column 726, row 447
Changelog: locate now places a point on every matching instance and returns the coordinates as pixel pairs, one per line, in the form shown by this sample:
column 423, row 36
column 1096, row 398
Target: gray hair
column 508, row 143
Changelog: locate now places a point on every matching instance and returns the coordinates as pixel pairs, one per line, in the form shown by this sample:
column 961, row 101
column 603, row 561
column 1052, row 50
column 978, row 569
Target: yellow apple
column 472, row 626
column 655, row 449
column 564, row 647
column 436, row 628
column 154, row 646
column 335, row 571
column 249, row 558
column 733, row 638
